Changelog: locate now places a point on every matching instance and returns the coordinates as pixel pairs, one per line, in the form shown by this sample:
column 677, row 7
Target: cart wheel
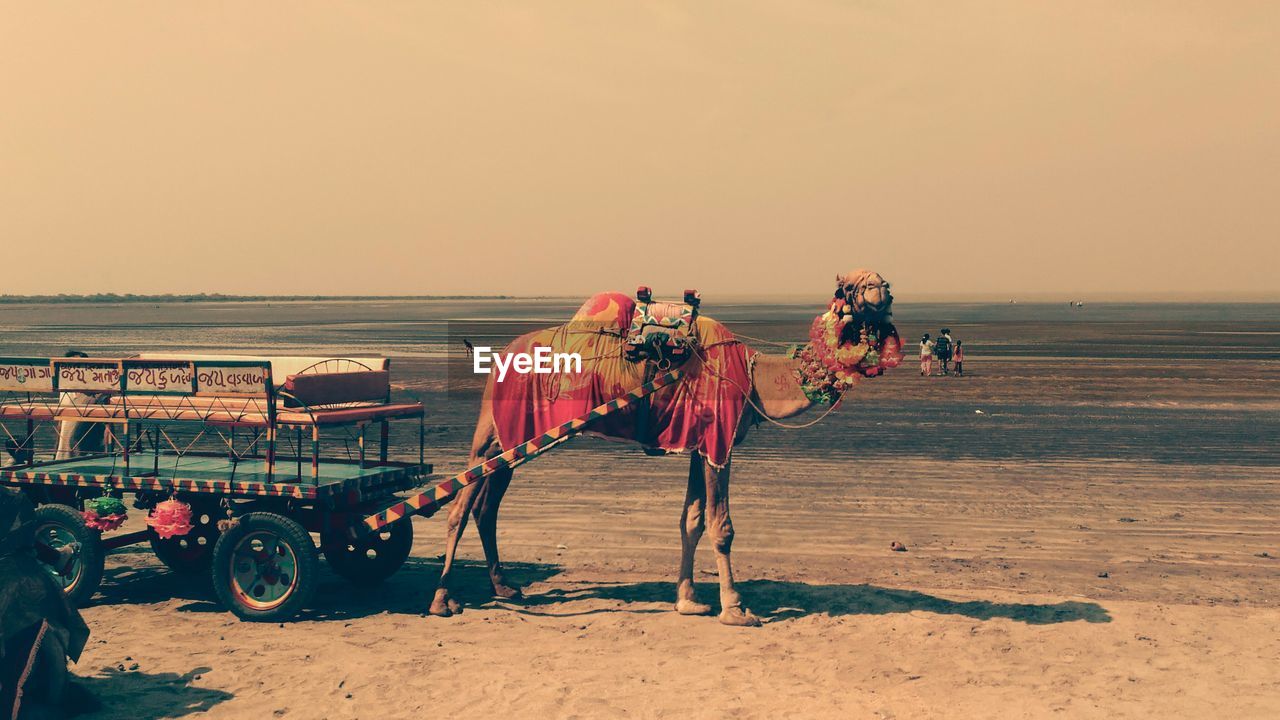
column 193, row 552
column 265, row 568
column 59, row 526
column 374, row 557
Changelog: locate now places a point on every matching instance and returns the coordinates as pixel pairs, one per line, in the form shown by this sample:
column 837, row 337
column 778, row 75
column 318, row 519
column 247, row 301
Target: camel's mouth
column 882, row 310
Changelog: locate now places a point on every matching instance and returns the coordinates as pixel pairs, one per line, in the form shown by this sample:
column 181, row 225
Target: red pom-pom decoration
column 104, row 513
column 170, row 518
column 103, row 523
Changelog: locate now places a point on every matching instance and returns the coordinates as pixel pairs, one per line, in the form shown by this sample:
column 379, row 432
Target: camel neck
column 813, row 382
column 778, row 388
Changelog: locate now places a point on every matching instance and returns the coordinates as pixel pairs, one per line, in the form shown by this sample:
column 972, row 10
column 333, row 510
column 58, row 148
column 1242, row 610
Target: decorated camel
column 726, row 387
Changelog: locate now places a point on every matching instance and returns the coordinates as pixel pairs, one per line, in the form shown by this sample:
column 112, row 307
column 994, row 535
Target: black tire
column 192, row 553
column 265, row 569
column 56, row 527
column 374, row 557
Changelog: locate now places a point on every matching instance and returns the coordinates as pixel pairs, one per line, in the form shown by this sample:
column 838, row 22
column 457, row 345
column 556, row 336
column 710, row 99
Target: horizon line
column 1037, row 298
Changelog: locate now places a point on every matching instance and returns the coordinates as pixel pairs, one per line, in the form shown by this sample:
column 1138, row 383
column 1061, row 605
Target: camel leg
column 486, row 514
column 442, row 605
column 484, row 446
column 692, row 523
column 721, row 528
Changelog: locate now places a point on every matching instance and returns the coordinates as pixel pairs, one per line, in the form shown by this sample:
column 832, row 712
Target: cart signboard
column 26, row 375
column 233, row 378
column 159, row 377
column 76, row 375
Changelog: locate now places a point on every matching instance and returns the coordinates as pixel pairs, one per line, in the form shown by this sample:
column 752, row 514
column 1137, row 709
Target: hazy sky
column 1071, row 149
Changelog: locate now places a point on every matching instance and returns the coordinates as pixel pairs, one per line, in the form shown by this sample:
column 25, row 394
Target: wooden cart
column 231, row 438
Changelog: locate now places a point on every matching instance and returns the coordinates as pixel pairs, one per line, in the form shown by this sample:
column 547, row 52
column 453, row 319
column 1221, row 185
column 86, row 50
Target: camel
column 778, row 387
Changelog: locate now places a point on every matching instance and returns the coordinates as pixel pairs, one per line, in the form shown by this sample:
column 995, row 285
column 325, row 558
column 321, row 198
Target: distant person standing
column 942, row 349
column 926, row 355
column 958, row 357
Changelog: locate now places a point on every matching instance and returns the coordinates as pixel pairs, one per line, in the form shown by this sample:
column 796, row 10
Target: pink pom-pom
column 170, row 518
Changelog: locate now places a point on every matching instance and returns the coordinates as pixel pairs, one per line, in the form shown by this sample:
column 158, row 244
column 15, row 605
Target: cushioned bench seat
column 347, row 416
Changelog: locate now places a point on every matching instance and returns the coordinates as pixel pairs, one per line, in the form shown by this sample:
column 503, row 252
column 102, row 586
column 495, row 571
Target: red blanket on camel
column 700, row 412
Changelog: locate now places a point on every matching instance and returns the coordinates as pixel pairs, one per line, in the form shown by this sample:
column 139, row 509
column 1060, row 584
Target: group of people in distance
column 950, row 355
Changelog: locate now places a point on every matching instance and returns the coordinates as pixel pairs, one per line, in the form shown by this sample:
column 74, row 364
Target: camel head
column 867, row 293
column 852, row 339
column 863, row 298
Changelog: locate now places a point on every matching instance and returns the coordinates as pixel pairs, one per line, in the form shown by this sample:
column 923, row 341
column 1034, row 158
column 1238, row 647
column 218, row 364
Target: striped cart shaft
column 429, row 502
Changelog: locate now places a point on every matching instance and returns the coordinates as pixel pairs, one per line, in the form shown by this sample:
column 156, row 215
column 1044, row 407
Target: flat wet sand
column 1091, row 520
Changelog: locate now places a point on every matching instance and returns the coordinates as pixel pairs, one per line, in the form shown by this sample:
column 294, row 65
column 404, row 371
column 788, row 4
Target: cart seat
column 349, row 416
column 328, row 390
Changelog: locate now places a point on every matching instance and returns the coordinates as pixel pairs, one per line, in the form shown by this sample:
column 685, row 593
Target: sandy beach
column 1090, row 519
column 998, row 609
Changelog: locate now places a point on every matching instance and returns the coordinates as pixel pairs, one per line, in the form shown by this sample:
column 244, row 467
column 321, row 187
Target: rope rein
column 762, row 340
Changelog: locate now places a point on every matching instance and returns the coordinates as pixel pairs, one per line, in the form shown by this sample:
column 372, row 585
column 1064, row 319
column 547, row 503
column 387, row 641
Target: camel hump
column 609, row 311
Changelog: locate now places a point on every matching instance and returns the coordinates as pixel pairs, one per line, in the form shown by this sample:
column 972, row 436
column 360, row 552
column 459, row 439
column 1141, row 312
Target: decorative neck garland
column 827, row 367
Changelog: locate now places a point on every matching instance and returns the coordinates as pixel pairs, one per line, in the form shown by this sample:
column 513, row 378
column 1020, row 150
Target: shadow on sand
column 779, row 600
column 134, row 695
column 150, row 583
column 409, row 592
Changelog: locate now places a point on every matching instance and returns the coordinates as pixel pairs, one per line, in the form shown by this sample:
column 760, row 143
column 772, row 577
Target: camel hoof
column 739, row 617
column 442, row 605
column 506, row 592
column 690, row 607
